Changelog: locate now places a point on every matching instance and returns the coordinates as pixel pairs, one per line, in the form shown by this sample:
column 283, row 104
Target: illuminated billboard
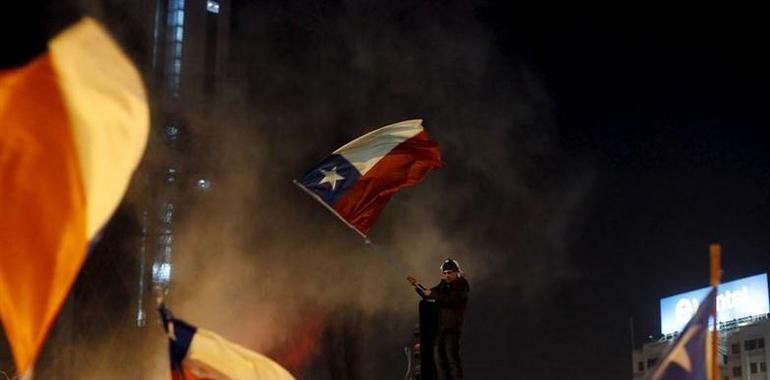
column 744, row 297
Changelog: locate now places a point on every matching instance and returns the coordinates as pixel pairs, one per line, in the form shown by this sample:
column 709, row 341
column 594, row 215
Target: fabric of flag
column 689, row 356
column 73, row 124
column 357, row 180
column 197, row 353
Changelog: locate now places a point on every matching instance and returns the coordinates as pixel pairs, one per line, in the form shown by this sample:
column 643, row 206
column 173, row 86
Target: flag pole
column 160, row 306
column 30, row 374
column 396, row 265
column 388, row 258
column 715, row 252
column 333, row 211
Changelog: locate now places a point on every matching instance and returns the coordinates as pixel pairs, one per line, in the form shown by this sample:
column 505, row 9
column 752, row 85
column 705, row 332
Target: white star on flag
column 331, row 177
column 679, row 354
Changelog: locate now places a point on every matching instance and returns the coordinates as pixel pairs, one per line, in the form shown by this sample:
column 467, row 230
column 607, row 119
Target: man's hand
column 420, row 288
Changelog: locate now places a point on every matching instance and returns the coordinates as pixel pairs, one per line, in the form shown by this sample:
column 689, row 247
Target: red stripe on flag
column 403, row 166
column 302, row 343
column 186, row 375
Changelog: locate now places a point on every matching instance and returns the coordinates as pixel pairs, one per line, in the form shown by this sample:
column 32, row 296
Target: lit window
column 140, row 318
column 204, row 184
column 174, row 45
column 212, row 6
column 167, row 211
column 172, row 132
column 177, row 66
column 166, row 239
column 161, row 273
column 170, row 178
column 175, row 84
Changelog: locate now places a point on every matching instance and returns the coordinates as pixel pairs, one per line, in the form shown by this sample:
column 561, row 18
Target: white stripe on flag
column 212, row 357
column 108, row 111
column 364, row 152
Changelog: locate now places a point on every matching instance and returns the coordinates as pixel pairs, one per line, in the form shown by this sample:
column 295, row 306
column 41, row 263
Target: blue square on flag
column 331, row 178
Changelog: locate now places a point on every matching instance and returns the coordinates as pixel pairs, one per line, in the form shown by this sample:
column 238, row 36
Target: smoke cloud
column 261, row 263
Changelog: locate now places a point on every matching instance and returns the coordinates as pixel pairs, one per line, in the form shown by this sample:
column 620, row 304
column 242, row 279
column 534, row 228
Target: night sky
column 668, row 111
column 591, row 160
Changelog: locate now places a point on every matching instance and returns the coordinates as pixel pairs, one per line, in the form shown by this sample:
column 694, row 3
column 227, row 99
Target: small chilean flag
column 356, row 181
column 199, row 354
column 73, row 127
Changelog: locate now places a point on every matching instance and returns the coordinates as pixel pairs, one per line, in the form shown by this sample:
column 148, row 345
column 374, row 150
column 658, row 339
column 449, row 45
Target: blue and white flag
column 689, row 357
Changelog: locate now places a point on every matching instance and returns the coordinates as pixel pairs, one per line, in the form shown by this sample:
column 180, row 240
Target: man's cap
column 450, row 264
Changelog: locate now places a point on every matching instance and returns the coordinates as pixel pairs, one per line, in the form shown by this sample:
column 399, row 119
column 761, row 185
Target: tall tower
column 188, row 62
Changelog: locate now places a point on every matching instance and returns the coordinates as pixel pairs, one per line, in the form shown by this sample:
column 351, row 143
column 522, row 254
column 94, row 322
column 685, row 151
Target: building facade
column 188, row 62
column 743, row 314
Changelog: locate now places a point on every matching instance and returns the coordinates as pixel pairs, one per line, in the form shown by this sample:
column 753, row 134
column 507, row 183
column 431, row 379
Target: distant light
column 172, row 132
column 204, row 184
column 170, row 175
column 167, row 213
column 212, row 6
column 141, row 318
column 161, row 273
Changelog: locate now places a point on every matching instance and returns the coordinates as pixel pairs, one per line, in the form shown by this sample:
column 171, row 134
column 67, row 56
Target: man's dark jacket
column 452, row 299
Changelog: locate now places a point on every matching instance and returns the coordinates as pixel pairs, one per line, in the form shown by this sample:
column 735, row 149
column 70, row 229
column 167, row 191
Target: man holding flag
column 357, row 180
column 451, row 298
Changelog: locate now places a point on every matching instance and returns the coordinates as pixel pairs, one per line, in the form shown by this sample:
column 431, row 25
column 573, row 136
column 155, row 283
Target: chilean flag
column 689, row 357
column 199, row 354
column 357, row 180
column 73, row 127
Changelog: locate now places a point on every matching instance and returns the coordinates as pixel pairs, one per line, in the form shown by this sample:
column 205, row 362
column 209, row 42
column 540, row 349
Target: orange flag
column 73, row 126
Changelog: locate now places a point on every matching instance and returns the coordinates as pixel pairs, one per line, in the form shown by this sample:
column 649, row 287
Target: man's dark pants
column 446, row 356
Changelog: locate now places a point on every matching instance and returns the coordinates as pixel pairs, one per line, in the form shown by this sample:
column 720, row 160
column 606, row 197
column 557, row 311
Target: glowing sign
column 744, row 297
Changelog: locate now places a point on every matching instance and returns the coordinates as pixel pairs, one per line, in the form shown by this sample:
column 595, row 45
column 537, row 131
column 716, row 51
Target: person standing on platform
column 451, row 297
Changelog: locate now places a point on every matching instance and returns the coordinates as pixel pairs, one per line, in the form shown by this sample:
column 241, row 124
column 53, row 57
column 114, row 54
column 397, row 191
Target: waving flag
column 73, row 126
column 200, row 354
column 357, row 180
column 689, row 357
